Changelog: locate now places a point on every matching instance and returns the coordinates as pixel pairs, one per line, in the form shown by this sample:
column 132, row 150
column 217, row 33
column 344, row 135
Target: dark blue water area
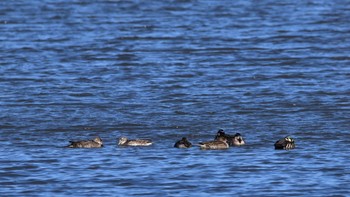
column 73, row 70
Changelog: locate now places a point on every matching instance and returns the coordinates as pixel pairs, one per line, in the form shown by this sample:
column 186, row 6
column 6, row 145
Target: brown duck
column 95, row 143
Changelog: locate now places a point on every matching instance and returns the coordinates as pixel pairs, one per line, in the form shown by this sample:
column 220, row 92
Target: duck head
column 289, row 139
column 185, row 143
column 220, row 133
column 238, row 139
column 98, row 140
column 122, row 140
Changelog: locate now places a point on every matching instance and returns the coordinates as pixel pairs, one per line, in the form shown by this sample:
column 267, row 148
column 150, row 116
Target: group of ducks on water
column 221, row 141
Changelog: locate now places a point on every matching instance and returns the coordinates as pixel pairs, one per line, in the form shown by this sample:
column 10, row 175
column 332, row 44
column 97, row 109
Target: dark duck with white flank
column 183, row 143
column 285, row 143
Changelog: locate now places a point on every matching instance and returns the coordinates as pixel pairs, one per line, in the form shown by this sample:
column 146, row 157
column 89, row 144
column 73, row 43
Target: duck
column 214, row 145
column 124, row 141
column 285, row 143
column 183, row 143
column 221, row 136
column 95, row 143
column 235, row 140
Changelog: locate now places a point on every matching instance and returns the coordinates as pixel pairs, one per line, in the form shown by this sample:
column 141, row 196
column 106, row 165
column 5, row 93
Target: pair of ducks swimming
column 98, row 143
column 221, row 141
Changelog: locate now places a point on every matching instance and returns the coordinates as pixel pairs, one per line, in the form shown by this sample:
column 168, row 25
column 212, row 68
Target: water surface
column 72, row 70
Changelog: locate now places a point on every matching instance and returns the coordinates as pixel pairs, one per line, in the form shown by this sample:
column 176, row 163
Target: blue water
column 72, row 70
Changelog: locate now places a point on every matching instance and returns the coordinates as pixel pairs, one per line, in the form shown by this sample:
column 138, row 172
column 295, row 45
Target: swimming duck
column 183, row 143
column 285, row 143
column 95, row 143
column 221, row 136
column 123, row 141
column 236, row 140
column 214, row 145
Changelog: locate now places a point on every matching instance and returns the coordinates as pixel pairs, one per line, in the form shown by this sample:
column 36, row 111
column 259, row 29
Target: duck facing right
column 285, row 143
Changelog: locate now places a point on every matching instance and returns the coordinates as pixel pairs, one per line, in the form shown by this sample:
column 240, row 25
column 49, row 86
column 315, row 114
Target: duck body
column 183, row 143
column 95, row 143
column 213, row 145
column 285, row 143
column 123, row 141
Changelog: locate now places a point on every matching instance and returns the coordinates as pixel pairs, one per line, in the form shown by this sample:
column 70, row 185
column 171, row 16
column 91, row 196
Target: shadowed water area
column 163, row 70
